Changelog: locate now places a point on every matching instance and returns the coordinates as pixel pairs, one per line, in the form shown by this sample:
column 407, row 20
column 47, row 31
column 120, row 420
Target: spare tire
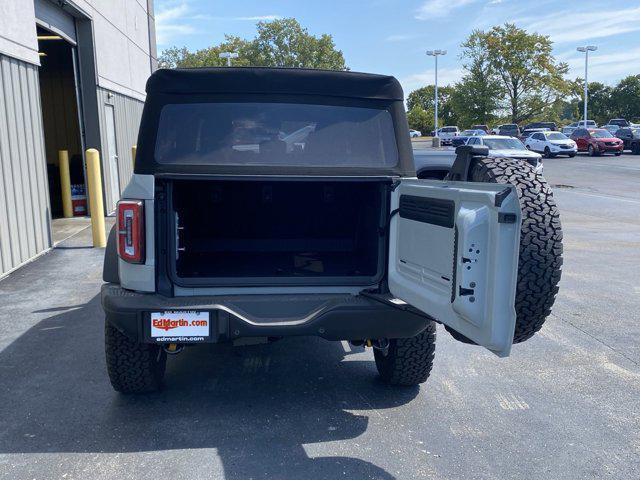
column 540, row 259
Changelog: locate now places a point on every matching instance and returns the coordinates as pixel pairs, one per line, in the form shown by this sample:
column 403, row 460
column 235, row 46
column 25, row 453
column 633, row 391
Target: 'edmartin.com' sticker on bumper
column 188, row 326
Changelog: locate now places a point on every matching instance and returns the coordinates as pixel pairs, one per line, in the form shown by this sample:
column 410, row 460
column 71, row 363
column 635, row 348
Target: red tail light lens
column 131, row 230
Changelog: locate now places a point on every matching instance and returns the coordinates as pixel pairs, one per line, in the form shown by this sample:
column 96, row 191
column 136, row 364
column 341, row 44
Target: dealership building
column 72, row 77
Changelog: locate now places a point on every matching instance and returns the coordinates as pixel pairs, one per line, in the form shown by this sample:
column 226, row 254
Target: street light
column 435, row 54
column 586, row 49
column 228, row 56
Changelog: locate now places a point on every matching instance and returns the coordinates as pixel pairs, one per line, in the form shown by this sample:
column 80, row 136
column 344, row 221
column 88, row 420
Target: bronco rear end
column 268, row 203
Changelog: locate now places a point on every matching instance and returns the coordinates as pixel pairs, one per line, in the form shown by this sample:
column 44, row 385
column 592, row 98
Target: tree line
column 510, row 76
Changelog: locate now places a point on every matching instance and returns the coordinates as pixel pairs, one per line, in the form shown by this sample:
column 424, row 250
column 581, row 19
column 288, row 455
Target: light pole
column 586, row 49
column 228, row 56
column 435, row 54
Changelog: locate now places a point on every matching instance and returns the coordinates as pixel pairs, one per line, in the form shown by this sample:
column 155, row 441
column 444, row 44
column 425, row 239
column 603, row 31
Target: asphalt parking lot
column 565, row 405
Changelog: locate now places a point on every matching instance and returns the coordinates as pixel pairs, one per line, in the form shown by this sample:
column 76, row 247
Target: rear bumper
column 330, row 316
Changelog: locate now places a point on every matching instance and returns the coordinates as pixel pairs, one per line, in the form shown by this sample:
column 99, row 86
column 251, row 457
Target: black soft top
column 291, row 85
column 290, row 81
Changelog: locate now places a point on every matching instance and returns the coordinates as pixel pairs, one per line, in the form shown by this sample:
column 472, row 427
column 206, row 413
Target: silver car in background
column 508, row 147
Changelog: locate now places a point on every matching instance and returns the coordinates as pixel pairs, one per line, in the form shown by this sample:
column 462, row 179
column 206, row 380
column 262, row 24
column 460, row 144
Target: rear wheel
column 540, row 256
column 635, row 148
column 133, row 367
column 408, row 361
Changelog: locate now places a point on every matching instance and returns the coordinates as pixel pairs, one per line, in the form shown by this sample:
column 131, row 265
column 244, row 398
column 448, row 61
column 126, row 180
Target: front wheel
column 408, row 361
column 571, row 155
column 547, row 152
column 133, row 367
column 635, row 149
column 540, row 255
column 592, row 151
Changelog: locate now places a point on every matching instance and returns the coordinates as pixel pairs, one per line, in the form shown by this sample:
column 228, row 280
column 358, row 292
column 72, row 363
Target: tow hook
column 381, row 344
column 173, row 348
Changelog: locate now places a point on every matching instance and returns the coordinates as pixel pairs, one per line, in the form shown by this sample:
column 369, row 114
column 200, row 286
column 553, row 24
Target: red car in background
column 597, row 141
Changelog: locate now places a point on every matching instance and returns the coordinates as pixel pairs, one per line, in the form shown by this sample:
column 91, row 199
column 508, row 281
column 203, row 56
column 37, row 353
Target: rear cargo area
column 298, row 231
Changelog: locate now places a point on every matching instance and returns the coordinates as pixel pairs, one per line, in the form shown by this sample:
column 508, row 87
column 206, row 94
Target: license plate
column 179, row 327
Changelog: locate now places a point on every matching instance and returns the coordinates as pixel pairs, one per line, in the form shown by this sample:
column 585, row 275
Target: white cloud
column 603, row 67
column 259, row 18
column 439, row 8
column 446, row 76
column 401, row 37
column 171, row 22
column 576, row 26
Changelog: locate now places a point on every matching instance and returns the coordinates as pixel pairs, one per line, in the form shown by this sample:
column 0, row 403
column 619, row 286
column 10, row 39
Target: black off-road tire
column 540, row 260
column 133, row 367
column 408, row 361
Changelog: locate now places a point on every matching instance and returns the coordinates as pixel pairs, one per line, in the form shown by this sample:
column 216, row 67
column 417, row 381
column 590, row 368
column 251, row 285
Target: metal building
column 72, row 77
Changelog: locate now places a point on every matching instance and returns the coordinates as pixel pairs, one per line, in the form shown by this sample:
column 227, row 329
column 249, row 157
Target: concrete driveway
column 566, row 404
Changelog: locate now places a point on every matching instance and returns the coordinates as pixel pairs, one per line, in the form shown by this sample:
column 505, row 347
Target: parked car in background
column 611, row 128
column 621, row 122
column 527, row 132
column 551, row 144
column 597, row 141
column 508, row 129
column 484, row 128
column 447, row 133
column 501, row 146
column 630, row 138
column 415, row 133
column 550, row 125
column 568, row 130
column 464, row 136
column 588, row 124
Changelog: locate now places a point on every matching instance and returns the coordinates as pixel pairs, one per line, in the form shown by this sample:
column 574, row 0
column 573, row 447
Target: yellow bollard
column 94, row 182
column 65, row 183
column 134, row 151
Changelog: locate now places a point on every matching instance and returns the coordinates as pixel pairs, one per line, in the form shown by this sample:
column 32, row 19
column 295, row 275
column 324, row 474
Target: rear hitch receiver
column 173, row 348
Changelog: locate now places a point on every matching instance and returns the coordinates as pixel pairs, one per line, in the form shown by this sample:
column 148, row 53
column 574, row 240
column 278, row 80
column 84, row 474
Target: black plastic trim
column 435, row 211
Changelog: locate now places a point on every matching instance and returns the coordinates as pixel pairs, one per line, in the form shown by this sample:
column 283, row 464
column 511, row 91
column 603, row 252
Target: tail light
column 131, row 230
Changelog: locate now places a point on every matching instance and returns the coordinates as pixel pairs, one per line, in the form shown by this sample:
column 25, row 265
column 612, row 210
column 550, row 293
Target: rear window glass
column 275, row 134
column 449, row 129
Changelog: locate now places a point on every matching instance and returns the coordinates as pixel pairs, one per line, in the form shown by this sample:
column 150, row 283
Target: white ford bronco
column 269, row 203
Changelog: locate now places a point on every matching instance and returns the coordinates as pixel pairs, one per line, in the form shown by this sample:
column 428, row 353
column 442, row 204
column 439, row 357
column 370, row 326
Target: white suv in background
column 551, row 144
column 447, row 134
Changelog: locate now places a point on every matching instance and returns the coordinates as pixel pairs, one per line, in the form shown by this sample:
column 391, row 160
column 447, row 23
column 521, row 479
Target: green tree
column 475, row 99
column 601, row 101
column 278, row 43
column 625, row 98
column 523, row 65
column 420, row 119
column 425, row 99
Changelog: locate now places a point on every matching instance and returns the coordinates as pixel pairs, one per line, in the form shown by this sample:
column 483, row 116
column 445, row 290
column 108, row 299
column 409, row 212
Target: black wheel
column 547, row 152
column 571, row 155
column 133, row 367
column 540, row 260
column 635, row 148
column 618, row 154
column 408, row 361
column 592, row 151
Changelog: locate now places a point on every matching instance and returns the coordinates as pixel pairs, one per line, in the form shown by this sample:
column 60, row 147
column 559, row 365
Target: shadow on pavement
column 256, row 405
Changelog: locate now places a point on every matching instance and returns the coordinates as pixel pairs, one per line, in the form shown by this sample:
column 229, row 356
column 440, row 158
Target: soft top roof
column 292, row 81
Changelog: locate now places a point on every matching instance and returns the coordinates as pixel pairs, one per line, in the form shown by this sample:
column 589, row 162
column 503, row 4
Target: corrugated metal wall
column 128, row 112
column 25, row 227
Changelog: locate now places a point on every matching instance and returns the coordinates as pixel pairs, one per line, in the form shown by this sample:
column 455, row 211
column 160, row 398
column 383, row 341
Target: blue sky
column 390, row 37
